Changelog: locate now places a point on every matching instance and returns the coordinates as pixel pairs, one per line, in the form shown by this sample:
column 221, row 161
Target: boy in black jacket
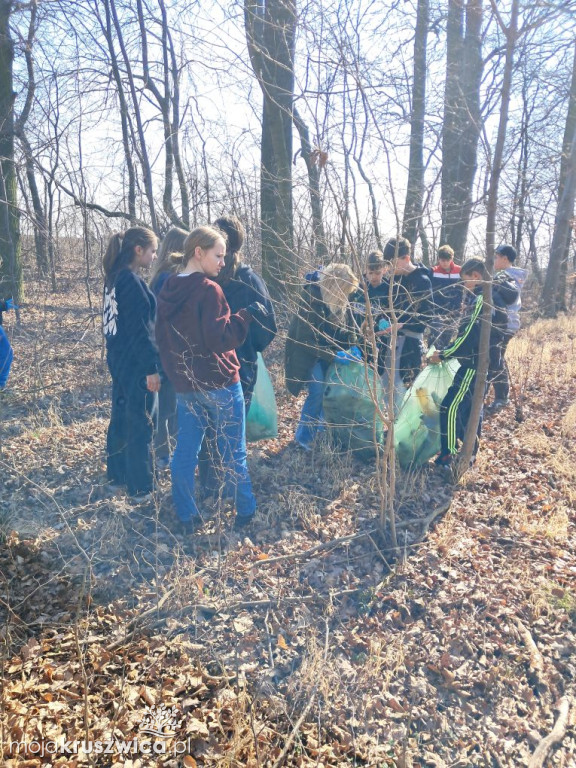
column 411, row 297
column 455, row 408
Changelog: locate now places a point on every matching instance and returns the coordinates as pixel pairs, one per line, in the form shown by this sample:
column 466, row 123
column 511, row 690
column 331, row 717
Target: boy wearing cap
column 506, row 273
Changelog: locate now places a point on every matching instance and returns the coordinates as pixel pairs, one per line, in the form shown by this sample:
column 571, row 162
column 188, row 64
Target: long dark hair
column 170, row 253
column 234, row 231
column 120, row 251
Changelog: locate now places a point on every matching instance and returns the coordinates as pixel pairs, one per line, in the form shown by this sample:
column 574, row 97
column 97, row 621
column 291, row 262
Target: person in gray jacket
column 506, row 272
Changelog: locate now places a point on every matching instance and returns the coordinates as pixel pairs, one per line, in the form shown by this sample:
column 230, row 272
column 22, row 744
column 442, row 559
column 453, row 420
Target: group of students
column 191, row 341
column 442, row 305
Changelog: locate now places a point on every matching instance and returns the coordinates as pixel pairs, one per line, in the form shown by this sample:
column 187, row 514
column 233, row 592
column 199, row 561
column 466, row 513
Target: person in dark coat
column 128, row 317
column 242, row 287
column 411, row 308
column 6, row 351
column 322, row 326
column 169, row 257
column 446, row 296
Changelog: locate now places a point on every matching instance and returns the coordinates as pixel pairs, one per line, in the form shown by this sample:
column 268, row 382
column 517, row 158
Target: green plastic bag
column 417, row 428
column 262, row 419
column 350, row 396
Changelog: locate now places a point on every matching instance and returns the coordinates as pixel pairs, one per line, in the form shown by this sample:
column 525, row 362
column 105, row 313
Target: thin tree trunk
column 462, row 119
column 312, row 158
column 10, row 262
column 511, row 33
column 565, row 210
column 415, row 190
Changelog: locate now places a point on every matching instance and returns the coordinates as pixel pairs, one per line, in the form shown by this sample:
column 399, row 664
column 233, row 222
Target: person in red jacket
column 197, row 336
column 447, row 297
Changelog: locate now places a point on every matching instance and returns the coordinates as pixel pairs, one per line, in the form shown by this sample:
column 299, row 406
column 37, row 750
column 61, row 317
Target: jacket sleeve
column 221, row 331
column 507, row 288
column 466, row 332
column 262, row 333
column 137, row 320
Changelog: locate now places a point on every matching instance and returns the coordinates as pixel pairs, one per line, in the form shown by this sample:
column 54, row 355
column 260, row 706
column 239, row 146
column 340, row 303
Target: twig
column 555, row 736
column 536, row 658
column 213, row 610
column 313, row 550
column 427, row 522
column 293, row 734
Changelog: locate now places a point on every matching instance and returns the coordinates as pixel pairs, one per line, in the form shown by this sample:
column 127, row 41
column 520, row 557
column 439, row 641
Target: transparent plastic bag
column 350, row 408
column 262, row 418
column 417, row 428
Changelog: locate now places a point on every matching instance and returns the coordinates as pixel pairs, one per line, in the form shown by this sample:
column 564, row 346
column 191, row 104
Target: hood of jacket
column 517, row 274
column 177, row 291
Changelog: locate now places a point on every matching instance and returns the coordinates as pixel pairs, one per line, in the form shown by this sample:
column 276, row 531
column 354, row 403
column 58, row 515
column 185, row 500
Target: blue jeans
column 221, row 411
column 312, row 416
column 6, row 357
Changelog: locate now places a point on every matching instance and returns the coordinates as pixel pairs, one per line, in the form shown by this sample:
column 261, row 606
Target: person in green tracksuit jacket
column 456, row 405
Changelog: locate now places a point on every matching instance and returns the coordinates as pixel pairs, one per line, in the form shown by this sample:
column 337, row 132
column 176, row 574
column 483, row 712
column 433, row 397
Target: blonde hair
column 337, row 282
column 170, row 253
column 202, row 237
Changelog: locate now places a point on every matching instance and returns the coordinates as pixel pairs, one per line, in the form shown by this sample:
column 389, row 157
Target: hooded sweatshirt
column 197, row 334
column 128, row 315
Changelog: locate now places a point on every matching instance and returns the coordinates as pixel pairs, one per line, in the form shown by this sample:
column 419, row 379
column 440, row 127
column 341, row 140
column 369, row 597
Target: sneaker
column 302, row 446
column 242, row 521
column 495, row 406
column 444, row 462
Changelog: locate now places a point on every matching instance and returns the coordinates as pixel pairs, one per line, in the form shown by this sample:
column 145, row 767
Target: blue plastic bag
column 262, row 419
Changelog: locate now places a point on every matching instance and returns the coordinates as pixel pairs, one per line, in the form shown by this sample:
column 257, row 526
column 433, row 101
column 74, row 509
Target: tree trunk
column 10, row 262
column 511, row 33
column 270, row 31
column 462, row 120
column 313, row 160
column 565, row 211
column 415, row 190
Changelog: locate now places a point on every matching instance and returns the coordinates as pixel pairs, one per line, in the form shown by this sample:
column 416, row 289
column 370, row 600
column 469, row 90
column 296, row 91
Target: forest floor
column 305, row 640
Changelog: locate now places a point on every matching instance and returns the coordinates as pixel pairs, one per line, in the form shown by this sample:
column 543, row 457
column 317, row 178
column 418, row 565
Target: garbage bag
column 417, row 428
column 350, row 396
column 262, row 418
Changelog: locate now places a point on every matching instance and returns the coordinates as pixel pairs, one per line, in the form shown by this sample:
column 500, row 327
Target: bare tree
column 553, row 293
column 270, row 33
column 462, row 119
column 10, row 264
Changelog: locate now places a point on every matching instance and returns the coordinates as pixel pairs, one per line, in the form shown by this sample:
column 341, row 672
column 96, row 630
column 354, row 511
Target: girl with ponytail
column 129, row 314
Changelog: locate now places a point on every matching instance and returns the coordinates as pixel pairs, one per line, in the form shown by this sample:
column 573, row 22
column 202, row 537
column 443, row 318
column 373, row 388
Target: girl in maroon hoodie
column 197, row 336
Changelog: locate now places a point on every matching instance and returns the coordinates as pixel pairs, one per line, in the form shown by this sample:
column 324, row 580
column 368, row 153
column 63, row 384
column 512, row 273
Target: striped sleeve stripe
column 461, row 339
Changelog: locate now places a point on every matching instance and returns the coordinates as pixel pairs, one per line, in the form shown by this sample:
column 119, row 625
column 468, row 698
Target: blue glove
column 352, row 355
column 10, row 304
column 383, row 324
